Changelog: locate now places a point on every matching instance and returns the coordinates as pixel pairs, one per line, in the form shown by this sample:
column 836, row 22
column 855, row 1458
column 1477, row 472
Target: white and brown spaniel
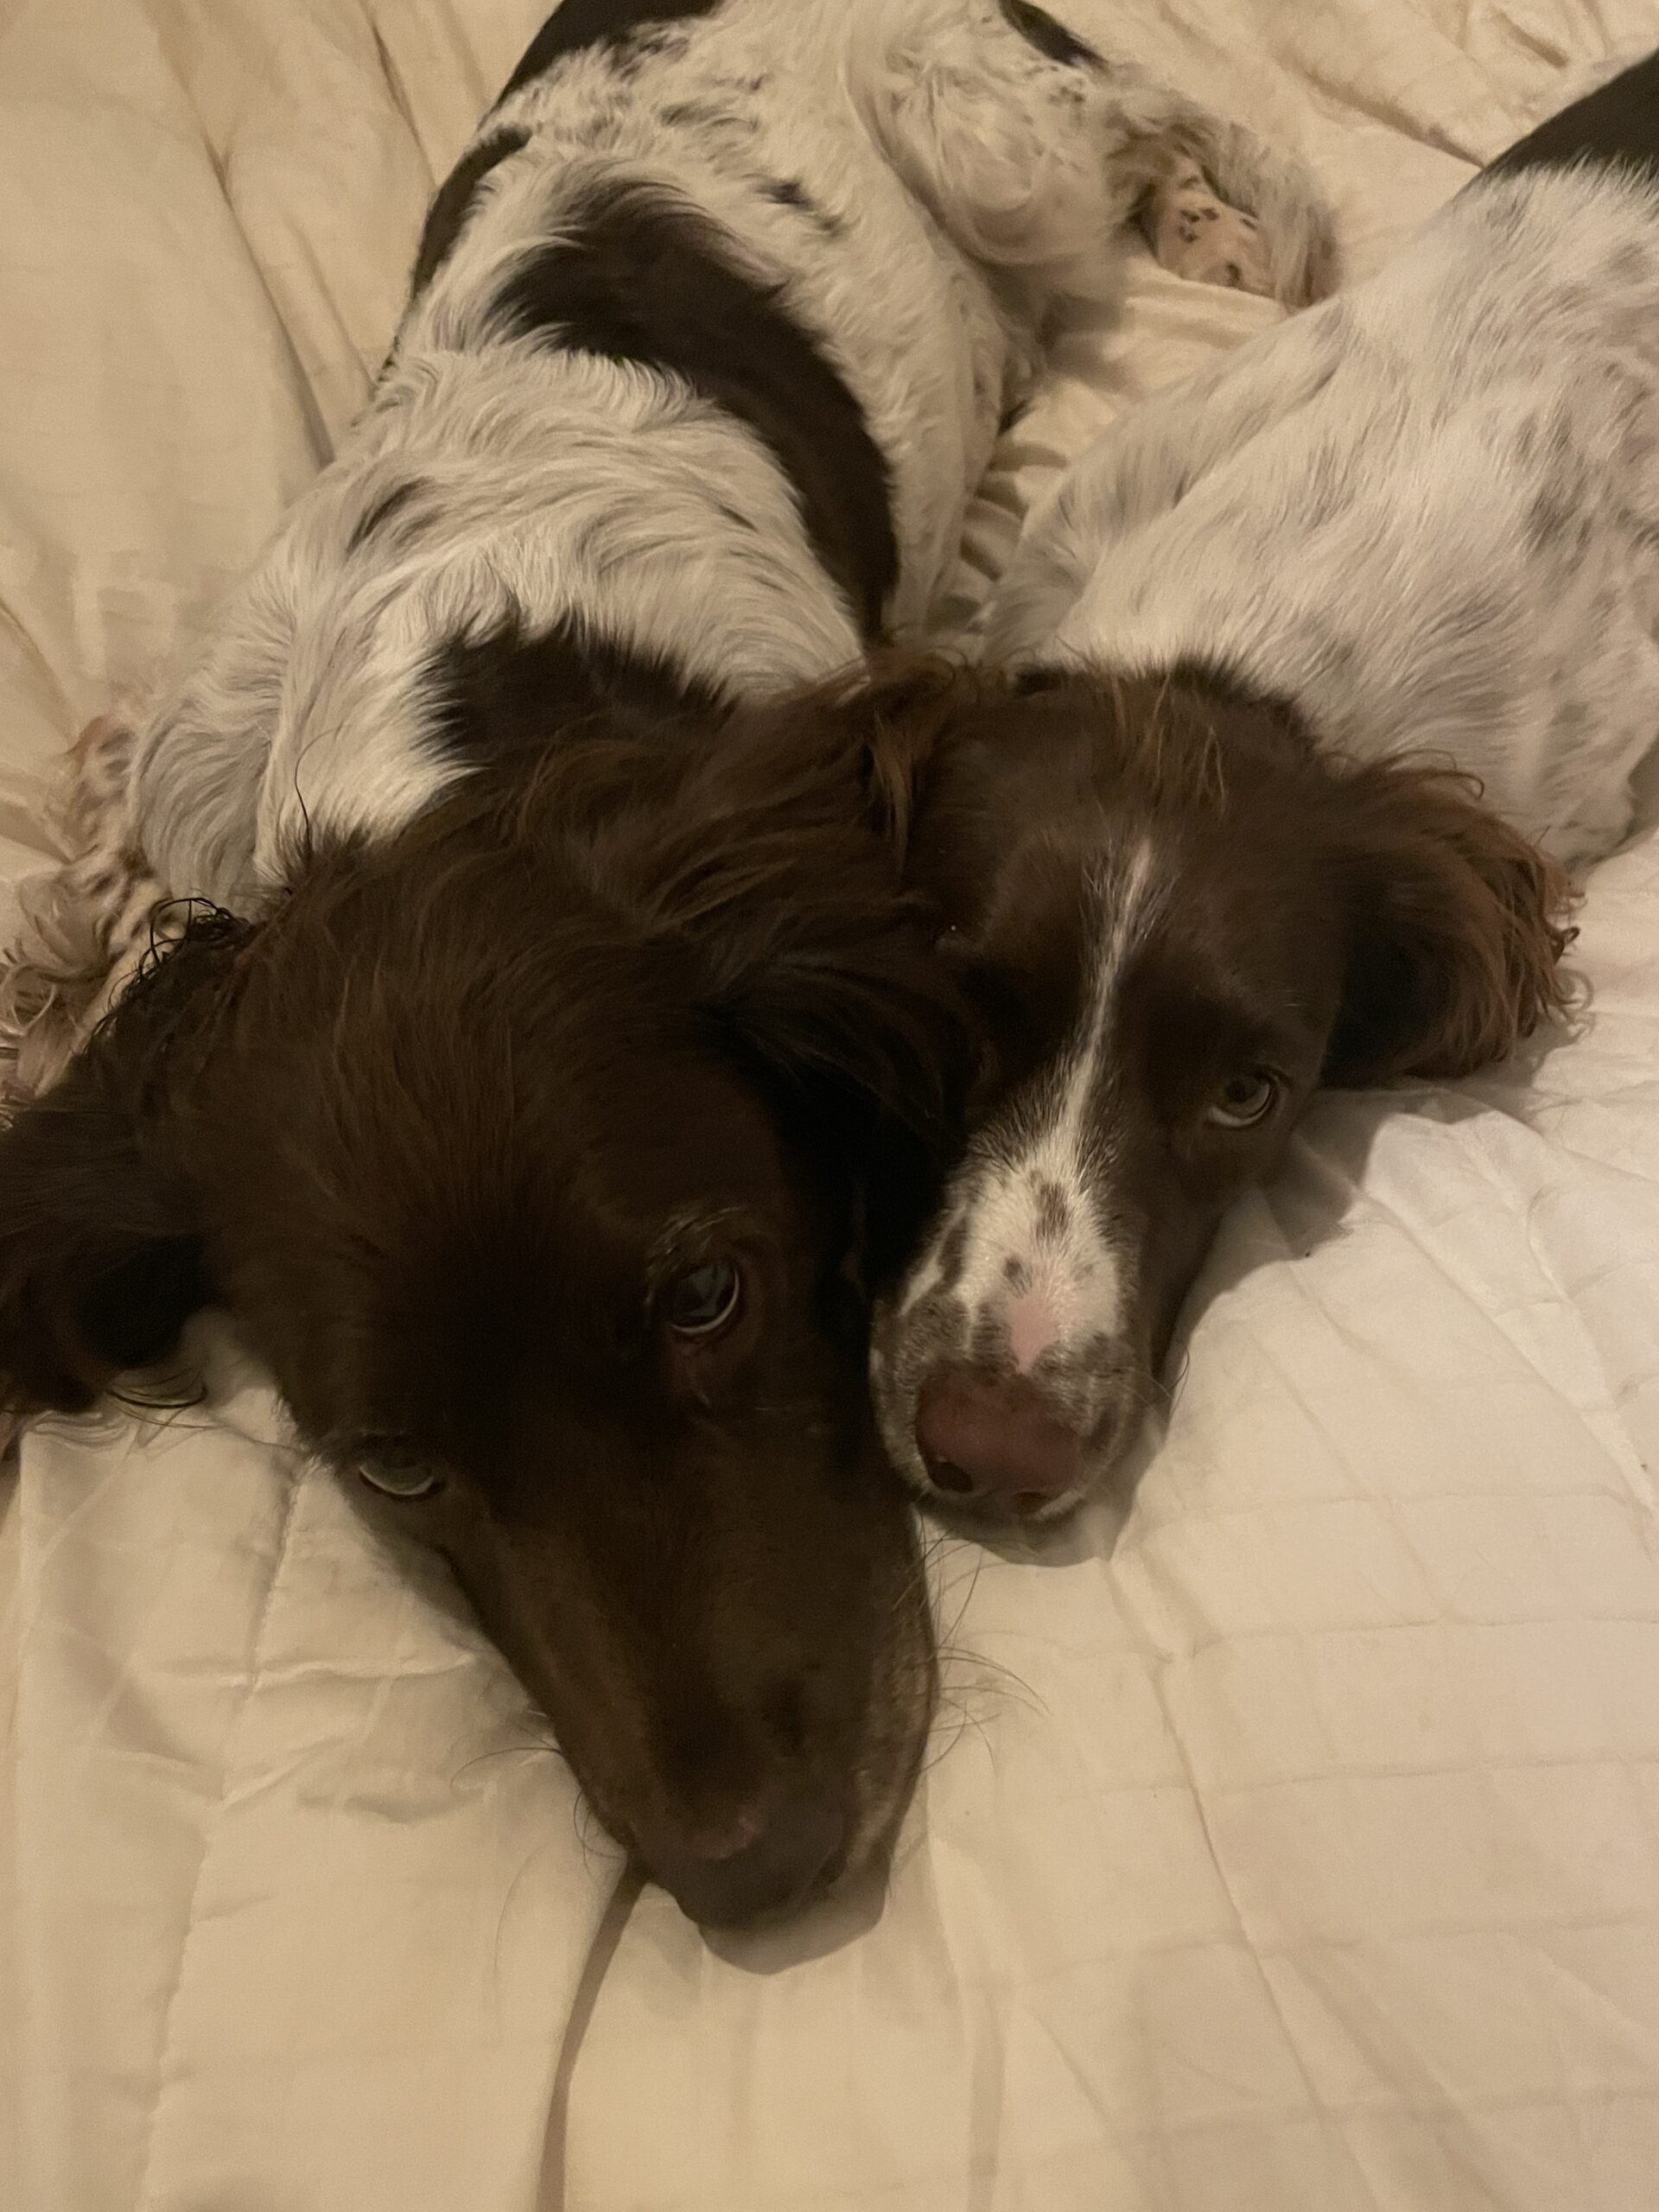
column 1317, row 674
column 556, row 1072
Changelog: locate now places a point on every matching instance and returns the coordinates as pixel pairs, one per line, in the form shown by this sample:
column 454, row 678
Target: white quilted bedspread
column 1292, row 1844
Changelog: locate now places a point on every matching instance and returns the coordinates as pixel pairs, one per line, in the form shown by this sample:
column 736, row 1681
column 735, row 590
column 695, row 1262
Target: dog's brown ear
column 823, row 958
column 904, row 709
column 100, row 1253
column 881, row 725
column 780, row 868
column 1456, row 925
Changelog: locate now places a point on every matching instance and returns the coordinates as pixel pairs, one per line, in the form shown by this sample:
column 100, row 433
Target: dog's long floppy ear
column 898, row 713
column 864, row 738
column 1457, row 928
column 100, row 1253
column 821, row 966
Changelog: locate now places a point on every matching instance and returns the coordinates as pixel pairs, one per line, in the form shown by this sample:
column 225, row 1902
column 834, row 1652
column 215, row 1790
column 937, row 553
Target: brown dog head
column 549, row 1153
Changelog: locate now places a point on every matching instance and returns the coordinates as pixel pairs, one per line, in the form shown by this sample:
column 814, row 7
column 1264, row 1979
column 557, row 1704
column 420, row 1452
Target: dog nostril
column 997, row 1441
column 945, row 1475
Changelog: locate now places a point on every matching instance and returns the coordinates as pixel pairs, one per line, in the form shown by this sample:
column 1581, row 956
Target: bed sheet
column 1292, row 1840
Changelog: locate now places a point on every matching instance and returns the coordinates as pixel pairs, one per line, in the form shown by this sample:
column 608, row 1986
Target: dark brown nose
column 994, row 1442
column 764, row 1860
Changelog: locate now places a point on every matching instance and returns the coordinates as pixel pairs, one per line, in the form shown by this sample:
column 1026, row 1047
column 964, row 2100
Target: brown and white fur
column 1336, row 657
column 1177, row 912
column 918, row 185
column 557, row 1074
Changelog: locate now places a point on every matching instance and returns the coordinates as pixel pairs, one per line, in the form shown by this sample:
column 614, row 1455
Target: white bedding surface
column 1293, row 1839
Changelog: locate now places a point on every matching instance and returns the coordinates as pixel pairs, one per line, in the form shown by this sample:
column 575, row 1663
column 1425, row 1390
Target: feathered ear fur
column 1457, row 928
column 784, row 867
column 878, row 728
column 101, row 1258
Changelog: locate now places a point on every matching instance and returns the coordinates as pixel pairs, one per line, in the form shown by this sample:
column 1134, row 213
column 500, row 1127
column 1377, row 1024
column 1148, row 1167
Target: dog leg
column 1035, row 153
column 1195, row 235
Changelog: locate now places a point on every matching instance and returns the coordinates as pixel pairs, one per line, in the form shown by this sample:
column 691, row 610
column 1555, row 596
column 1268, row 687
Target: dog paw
column 1196, row 236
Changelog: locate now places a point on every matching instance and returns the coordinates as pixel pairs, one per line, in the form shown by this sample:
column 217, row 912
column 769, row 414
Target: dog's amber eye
column 396, row 1472
column 1244, row 1100
column 705, row 1300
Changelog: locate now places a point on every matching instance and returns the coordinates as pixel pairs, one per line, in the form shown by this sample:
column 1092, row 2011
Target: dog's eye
column 1244, row 1100
column 705, row 1300
column 396, row 1471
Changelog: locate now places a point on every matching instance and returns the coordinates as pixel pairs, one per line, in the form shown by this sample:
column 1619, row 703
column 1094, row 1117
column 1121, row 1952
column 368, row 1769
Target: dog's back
column 1427, row 511
column 682, row 369
column 1615, row 123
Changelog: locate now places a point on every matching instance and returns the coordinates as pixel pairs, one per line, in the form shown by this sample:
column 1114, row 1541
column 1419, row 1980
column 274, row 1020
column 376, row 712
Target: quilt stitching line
column 1564, row 1300
column 164, row 2074
column 1158, row 1665
column 1630, row 1464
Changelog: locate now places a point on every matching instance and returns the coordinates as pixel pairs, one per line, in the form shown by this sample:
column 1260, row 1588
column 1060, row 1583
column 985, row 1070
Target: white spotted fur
column 972, row 183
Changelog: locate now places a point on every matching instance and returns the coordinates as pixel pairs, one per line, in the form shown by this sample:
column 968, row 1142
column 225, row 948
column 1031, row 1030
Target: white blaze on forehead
column 1034, row 1256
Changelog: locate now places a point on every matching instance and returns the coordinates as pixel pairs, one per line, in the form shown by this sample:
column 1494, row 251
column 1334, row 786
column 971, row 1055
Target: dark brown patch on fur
column 1551, row 518
column 456, row 198
column 789, row 192
column 1053, row 1214
column 439, row 1133
column 508, row 693
column 102, row 1258
column 580, row 26
column 699, row 116
column 1617, row 124
column 642, row 278
column 1050, row 38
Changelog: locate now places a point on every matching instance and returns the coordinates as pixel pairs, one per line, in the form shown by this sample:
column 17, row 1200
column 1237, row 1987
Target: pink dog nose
column 995, row 1442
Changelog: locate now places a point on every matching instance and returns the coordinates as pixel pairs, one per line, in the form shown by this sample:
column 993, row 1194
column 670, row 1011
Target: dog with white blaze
column 1304, row 688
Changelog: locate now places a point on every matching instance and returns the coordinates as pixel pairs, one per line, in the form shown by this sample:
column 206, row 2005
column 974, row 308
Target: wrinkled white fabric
column 1292, row 1840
